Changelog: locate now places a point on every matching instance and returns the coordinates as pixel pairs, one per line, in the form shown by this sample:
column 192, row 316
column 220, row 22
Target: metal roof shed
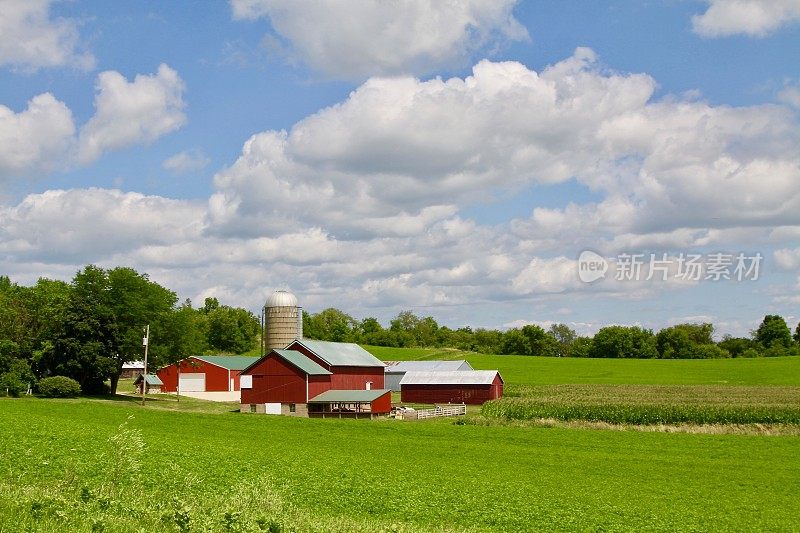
column 395, row 370
column 350, row 404
column 205, row 373
column 468, row 386
column 152, row 382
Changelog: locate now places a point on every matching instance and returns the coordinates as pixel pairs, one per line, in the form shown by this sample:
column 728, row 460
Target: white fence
column 436, row 412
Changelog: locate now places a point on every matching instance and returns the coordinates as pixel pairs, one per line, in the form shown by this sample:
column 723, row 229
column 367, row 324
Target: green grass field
column 59, row 470
column 105, row 465
column 518, row 369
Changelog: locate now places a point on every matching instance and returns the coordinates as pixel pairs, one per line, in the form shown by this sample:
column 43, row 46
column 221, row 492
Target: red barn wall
column 216, row 377
column 497, row 387
column 382, row 404
column 317, row 385
column 356, row 377
column 275, row 381
column 471, row 394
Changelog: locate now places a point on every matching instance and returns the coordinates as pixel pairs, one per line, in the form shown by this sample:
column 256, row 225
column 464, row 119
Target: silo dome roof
column 281, row 299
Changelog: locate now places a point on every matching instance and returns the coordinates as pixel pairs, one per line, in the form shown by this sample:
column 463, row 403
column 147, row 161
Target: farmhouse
column 466, row 386
column 212, row 373
column 316, row 378
column 395, row 370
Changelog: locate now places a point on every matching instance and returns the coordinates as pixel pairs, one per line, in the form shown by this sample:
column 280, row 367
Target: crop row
column 640, row 413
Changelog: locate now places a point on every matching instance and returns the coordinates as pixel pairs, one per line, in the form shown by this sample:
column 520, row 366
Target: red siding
column 317, row 385
column 235, row 377
column 216, row 377
column 382, row 404
column 356, row 377
column 471, row 394
column 275, row 380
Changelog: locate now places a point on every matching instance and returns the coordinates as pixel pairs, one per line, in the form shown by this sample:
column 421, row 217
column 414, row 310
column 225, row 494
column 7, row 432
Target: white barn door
column 192, row 382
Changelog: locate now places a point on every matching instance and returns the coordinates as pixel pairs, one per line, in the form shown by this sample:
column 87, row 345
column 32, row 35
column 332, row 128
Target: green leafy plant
column 59, row 387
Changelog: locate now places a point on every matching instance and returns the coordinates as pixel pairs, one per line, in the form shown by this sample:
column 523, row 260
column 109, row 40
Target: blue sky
column 453, row 159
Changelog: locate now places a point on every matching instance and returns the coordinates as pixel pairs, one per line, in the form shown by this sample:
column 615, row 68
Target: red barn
column 295, row 381
column 463, row 386
column 212, row 373
column 282, row 380
column 353, row 367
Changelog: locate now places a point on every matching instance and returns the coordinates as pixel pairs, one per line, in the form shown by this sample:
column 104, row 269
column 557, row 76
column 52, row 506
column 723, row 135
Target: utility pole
column 145, row 342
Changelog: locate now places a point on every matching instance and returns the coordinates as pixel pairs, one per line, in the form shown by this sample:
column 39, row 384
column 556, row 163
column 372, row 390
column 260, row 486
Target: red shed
column 212, row 373
column 464, row 386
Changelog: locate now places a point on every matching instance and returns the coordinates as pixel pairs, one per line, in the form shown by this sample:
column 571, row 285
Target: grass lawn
column 192, row 471
column 567, row 370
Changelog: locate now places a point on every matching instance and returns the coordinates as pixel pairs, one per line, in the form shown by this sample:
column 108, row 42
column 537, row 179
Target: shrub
column 59, row 387
column 11, row 384
column 17, row 379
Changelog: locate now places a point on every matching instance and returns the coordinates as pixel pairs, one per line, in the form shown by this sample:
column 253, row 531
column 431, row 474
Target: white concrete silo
column 282, row 320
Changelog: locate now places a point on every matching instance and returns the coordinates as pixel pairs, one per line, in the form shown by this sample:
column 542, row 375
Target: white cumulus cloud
column 186, row 161
column 372, row 37
column 755, row 18
column 30, row 39
column 36, row 139
column 134, row 112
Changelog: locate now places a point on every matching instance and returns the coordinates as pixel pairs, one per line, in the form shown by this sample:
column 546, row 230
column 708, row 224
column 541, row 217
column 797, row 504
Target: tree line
column 87, row 328
column 683, row 341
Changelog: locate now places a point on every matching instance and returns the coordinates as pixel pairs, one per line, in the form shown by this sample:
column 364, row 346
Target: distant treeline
column 683, row 341
column 88, row 328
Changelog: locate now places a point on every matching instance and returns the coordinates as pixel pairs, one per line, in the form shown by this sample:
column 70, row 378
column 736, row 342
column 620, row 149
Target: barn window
column 292, row 408
column 252, row 408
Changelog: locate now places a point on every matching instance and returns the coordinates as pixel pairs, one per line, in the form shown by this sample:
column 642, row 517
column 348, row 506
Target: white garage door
column 192, row 382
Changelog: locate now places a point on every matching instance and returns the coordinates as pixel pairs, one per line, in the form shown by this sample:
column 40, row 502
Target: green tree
column 773, row 332
column 135, row 302
column 540, row 342
column 565, row 336
column 232, row 329
column 86, row 345
column 404, row 321
column 624, row 342
column 797, row 334
column 582, row 347
column 515, row 343
column 682, row 341
column 331, row 325
column 738, row 346
column 370, row 331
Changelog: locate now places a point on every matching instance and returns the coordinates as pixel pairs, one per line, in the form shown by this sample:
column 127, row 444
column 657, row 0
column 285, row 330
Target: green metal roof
column 151, row 379
column 229, row 362
column 349, row 396
column 341, row 353
column 302, row 362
